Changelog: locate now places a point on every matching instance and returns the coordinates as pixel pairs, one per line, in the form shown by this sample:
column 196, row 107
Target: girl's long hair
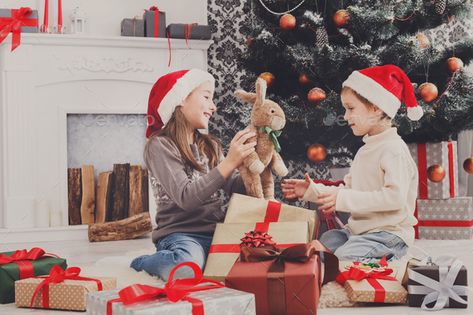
column 177, row 130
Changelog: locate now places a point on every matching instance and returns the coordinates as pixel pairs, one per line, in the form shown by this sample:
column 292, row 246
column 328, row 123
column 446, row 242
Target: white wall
column 104, row 16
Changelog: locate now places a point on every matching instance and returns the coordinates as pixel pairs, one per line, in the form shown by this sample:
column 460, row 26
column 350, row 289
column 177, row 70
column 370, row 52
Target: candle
column 46, row 12
column 59, row 15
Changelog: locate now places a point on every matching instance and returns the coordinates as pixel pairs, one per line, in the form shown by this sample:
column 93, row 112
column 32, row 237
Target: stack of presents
column 153, row 24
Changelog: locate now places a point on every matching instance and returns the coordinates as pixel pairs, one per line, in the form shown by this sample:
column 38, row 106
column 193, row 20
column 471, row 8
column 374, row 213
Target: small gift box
column 17, row 21
column 443, row 154
column 61, row 289
column 155, row 22
column 227, row 239
column 178, row 297
column 284, row 281
column 23, row 264
column 445, row 218
column 438, row 285
column 246, row 209
column 189, row 31
column 372, row 282
column 133, row 27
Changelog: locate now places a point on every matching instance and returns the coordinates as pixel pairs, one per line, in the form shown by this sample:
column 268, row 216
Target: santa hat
column 386, row 87
column 169, row 92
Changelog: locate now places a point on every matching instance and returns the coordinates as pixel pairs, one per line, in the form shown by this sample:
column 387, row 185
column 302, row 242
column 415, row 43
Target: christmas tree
column 305, row 49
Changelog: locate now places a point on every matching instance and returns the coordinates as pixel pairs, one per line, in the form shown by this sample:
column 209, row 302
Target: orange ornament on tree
column 341, row 18
column 316, row 152
column 316, row 95
column 436, row 173
column 454, row 64
column 428, row 92
column 468, row 165
column 304, row 79
column 268, row 77
column 287, row 22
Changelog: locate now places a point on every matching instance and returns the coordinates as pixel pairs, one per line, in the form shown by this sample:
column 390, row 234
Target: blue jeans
column 172, row 250
column 365, row 246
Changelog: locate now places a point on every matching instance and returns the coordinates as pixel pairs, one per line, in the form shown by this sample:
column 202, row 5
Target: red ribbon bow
column 58, row 275
column 257, row 239
column 174, row 290
column 23, row 259
column 13, row 24
column 372, row 276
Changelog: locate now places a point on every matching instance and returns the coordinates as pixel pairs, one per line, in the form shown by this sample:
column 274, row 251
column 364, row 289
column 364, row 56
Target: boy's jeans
column 359, row 247
column 172, row 250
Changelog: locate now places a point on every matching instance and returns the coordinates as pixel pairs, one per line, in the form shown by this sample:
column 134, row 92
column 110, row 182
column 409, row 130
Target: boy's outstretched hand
column 327, row 202
column 295, row 188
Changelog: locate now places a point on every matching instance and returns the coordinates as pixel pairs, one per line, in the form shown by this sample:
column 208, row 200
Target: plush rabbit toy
column 267, row 121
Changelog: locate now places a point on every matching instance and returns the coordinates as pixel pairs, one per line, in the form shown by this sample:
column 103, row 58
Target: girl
column 187, row 169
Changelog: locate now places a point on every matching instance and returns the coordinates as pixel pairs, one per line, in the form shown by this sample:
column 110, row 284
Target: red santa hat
column 386, row 87
column 169, row 92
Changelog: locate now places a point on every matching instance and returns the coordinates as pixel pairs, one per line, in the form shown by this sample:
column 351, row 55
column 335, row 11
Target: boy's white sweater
column 381, row 188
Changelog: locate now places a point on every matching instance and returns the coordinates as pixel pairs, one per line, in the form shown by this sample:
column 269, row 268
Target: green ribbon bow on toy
column 273, row 134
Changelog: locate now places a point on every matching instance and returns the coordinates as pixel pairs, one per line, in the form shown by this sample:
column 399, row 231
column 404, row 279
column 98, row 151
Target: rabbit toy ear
column 260, row 91
column 245, row 96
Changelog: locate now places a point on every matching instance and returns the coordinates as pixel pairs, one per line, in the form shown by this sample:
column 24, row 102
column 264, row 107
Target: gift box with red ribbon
column 196, row 296
column 17, row 21
column 246, row 209
column 443, row 154
column 133, row 27
column 284, row 281
column 189, row 31
column 155, row 22
column 372, row 282
column 61, row 289
column 447, row 219
column 228, row 238
column 23, row 264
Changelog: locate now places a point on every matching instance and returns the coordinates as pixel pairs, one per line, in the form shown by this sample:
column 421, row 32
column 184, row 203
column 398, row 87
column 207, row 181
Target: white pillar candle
column 55, row 217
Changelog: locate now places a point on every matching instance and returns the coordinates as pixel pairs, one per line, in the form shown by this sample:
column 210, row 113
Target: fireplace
column 49, row 81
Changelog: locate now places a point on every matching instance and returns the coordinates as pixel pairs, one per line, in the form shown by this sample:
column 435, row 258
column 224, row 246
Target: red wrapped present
column 16, row 21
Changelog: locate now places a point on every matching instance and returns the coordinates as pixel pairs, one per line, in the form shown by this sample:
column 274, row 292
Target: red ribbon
column 416, row 227
column 272, row 211
column 174, row 290
column 422, row 166
column 451, row 174
column 372, row 277
column 13, row 24
column 466, row 223
column 58, row 275
column 156, row 20
column 23, row 259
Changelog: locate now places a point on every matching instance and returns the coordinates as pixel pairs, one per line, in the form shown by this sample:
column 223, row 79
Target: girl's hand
column 238, row 150
column 327, row 202
column 295, row 188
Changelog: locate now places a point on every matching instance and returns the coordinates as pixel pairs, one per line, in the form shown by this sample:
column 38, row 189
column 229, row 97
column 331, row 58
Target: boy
column 380, row 190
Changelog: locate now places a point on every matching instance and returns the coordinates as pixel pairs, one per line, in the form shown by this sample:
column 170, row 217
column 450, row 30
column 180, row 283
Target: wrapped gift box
column 225, row 247
column 216, row 301
column 155, row 23
column 189, row 31
column 10, row 272
column 245, row 209
column 288, row 287
column 419, row 288
column 7, row 13
column 444, row 154
column 68, row 295
column 133, row 27
column 445, row 219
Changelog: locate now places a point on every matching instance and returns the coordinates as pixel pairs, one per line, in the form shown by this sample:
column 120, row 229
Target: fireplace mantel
column 49, row 76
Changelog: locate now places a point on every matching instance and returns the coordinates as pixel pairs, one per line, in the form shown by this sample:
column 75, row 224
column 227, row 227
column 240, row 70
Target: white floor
column 85, row 255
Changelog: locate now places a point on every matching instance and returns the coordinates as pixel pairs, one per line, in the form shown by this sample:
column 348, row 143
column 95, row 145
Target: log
column 126, row 229
column 87, row 209
column 136, row 190
column 121, row 191
column 74, row 195
column 145, row 193
column 104, row 196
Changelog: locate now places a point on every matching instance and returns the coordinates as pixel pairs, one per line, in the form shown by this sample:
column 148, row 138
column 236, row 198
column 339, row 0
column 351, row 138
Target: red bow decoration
column 13, row 24
column 58, row 275
column 23, row 259
column 255, row 239
column 174, row 290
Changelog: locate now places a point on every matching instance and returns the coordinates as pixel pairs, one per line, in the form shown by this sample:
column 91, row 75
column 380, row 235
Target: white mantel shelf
column 48, row 77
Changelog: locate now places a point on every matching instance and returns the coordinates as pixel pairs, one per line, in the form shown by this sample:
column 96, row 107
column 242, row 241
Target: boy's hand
column 327, row 202
column 295, row 188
